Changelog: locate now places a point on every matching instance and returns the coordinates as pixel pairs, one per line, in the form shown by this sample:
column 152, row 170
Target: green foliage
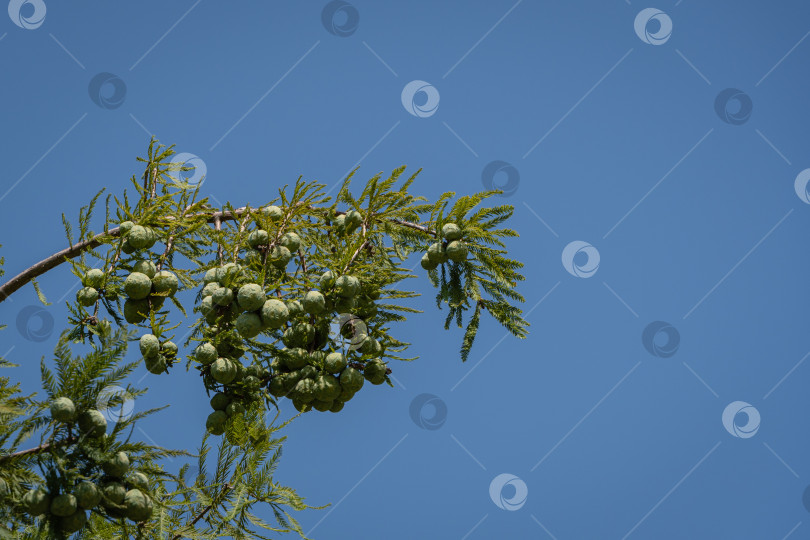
column 14, row 431
column 266, row 283
column 242, row 479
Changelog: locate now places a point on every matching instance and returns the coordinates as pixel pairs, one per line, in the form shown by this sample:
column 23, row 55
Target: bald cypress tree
column 296, row 299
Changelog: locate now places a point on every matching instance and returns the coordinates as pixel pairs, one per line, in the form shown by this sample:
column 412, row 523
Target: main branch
column 38, row 449
column 49, row 263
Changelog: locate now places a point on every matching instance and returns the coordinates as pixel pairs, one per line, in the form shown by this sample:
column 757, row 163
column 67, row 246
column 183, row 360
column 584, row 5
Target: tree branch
column 414, row 226
column 354, row 256
column 205, row 510
column 359, row 249
column 49, row 263
column 303, row 261
column 53, row 261
column 38, row 449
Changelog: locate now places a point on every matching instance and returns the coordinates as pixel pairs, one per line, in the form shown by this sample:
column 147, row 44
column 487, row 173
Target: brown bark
column 38, row 449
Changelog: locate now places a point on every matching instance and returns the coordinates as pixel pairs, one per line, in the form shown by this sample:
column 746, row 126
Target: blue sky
column 612, row 134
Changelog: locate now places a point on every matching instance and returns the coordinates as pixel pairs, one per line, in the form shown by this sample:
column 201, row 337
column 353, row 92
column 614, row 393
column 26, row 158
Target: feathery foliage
column 297, row 298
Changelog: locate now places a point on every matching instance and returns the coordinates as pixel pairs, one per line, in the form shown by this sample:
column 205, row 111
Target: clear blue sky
column 614, row 139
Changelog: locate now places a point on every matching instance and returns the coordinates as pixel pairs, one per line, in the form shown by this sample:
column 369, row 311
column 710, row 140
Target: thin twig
column 109, row 272
column 303, row 261
column 359, row 249
column 169, row 242
column 154, row 182
column 114, row 262
column 159, row 265
column 264, row 252
column 354, row 256
column 242, row 227
column 205, row 510
column 218, row 227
